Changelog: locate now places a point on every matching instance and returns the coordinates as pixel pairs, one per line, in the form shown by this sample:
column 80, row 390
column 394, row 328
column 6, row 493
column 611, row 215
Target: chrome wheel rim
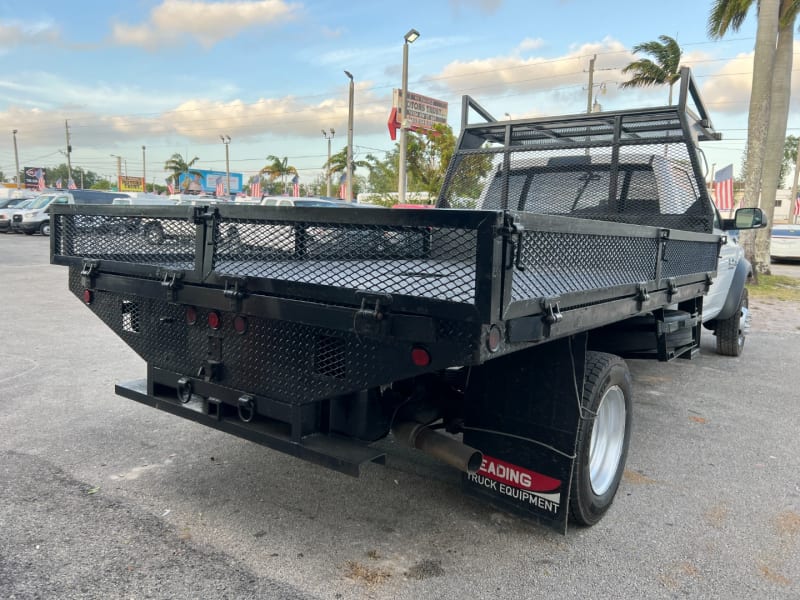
column 608, row 435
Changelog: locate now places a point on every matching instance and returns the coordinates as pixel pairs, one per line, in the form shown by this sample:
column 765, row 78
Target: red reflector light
column 191, row 315
column 240, row 324
column 88, row 296
column 420, row 357
column 214, row 320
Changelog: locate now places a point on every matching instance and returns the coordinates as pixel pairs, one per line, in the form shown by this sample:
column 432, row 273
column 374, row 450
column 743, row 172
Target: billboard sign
column 32, row 175
column 131, row 184
column 423, row 112
column 199, row 181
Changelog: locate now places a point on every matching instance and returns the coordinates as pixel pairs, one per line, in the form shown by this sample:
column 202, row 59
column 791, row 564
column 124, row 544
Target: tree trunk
column 758, row 118
column 776, row 138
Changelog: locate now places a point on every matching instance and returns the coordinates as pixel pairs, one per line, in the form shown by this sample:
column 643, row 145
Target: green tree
column 428, row 157
column 278, row 168
column 177, row 165
column 665, row 70
column 769, row 103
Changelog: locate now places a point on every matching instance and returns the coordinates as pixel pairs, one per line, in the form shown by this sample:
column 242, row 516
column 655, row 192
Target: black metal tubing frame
column 617, row 129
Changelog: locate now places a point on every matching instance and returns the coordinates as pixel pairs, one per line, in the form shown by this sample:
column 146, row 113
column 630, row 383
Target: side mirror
column 746, row 218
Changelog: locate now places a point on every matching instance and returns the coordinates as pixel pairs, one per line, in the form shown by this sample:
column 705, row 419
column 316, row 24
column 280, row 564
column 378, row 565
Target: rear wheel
column 44, row 228
column 603, row 437
column 731, row 332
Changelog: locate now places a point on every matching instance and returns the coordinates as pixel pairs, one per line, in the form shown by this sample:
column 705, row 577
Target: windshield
column 41, row 201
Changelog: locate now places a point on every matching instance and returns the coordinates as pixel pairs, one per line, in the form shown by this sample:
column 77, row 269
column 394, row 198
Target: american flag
column 40, row 177
column 220, row 191
column 796, row 212
column 171, row 186
column 58, row 183
column 296, row 186
column 255, row 187
column 723, row 188
column 71, row 184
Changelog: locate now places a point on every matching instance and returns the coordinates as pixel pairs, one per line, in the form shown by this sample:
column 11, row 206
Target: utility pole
column 409, row 38
column 144, row 172
column 328, row 170
column 589, row 100
column 226, row 139
column 349, row 171
column 119, row 169
column 16, row 157
column 69, row 150
column 790, row 218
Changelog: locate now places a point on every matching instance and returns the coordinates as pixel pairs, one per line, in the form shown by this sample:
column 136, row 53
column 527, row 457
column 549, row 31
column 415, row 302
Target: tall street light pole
column 226, row 139
column 328, row 174
column 349, row 171
column 16, row 157
column 409, row 38
column 144, row 172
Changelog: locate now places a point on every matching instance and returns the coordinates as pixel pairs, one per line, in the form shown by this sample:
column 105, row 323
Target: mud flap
column 522, row 412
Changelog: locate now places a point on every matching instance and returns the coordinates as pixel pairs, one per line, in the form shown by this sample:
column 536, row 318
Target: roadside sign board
column 423, row 112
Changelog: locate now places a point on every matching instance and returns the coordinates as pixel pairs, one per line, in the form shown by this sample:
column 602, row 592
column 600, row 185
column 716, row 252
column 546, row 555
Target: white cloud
column 173, row 21
column 17, row 33
column 530, row 44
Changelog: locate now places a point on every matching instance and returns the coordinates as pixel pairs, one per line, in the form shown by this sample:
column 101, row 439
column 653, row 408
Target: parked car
column 7, row 213
column 785, row 242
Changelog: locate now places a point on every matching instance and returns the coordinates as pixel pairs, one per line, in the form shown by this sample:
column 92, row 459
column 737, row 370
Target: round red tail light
column 420, row 356
column 240, row 324
column 214, row 320
column 88, row 296
column 191, row 315
column 494, row 338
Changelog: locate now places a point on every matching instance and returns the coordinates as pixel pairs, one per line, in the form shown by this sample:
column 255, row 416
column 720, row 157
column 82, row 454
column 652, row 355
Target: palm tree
column 278, row 169
column 177, row 166
column 769, row 102
column 664, row 71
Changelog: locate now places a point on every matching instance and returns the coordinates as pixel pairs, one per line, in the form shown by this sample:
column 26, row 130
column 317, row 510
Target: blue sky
column 174, row 75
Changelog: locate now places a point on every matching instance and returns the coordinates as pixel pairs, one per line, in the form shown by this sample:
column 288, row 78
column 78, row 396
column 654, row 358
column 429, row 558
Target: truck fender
column 743, row 271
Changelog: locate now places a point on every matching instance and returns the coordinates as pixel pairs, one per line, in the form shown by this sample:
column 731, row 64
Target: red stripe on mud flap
column 517, row 476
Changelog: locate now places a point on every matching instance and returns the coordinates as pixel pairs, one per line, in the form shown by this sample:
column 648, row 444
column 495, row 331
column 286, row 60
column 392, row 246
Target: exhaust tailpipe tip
column 452, row 452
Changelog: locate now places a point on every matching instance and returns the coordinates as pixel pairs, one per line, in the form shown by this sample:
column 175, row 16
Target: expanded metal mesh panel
column 162, row 242
column 281, row 360
column 436, row 263
column 560, row 263
column 683, row 257
column 570, row 170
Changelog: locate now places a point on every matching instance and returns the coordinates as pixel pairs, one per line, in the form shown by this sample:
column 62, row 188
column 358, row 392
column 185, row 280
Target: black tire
column 604, row 435
column 732, row 332
column 153, row 233
column 44, row 228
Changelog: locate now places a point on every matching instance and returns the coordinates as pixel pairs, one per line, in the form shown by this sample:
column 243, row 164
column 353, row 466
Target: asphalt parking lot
column 101, row 497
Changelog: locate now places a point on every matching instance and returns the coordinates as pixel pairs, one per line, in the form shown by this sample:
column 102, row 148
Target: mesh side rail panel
column 163, row 242
column 683, row 257
column 558, row 263
column 415, row 260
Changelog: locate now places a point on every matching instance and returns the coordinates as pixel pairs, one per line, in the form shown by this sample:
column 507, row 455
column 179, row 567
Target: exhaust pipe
column 458, row 455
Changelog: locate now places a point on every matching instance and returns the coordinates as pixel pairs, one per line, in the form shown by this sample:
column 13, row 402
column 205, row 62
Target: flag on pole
column 255, row 187
column 796, row 212
column 220, row 191
column 58, row 183
column 723, row 188
column 343, row 186
column 296, row 186
column 40, row 179
column 71, row 184
column 171, row 185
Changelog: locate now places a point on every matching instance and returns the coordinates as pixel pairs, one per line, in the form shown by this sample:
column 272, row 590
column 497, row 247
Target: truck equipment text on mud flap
column 487, row 333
